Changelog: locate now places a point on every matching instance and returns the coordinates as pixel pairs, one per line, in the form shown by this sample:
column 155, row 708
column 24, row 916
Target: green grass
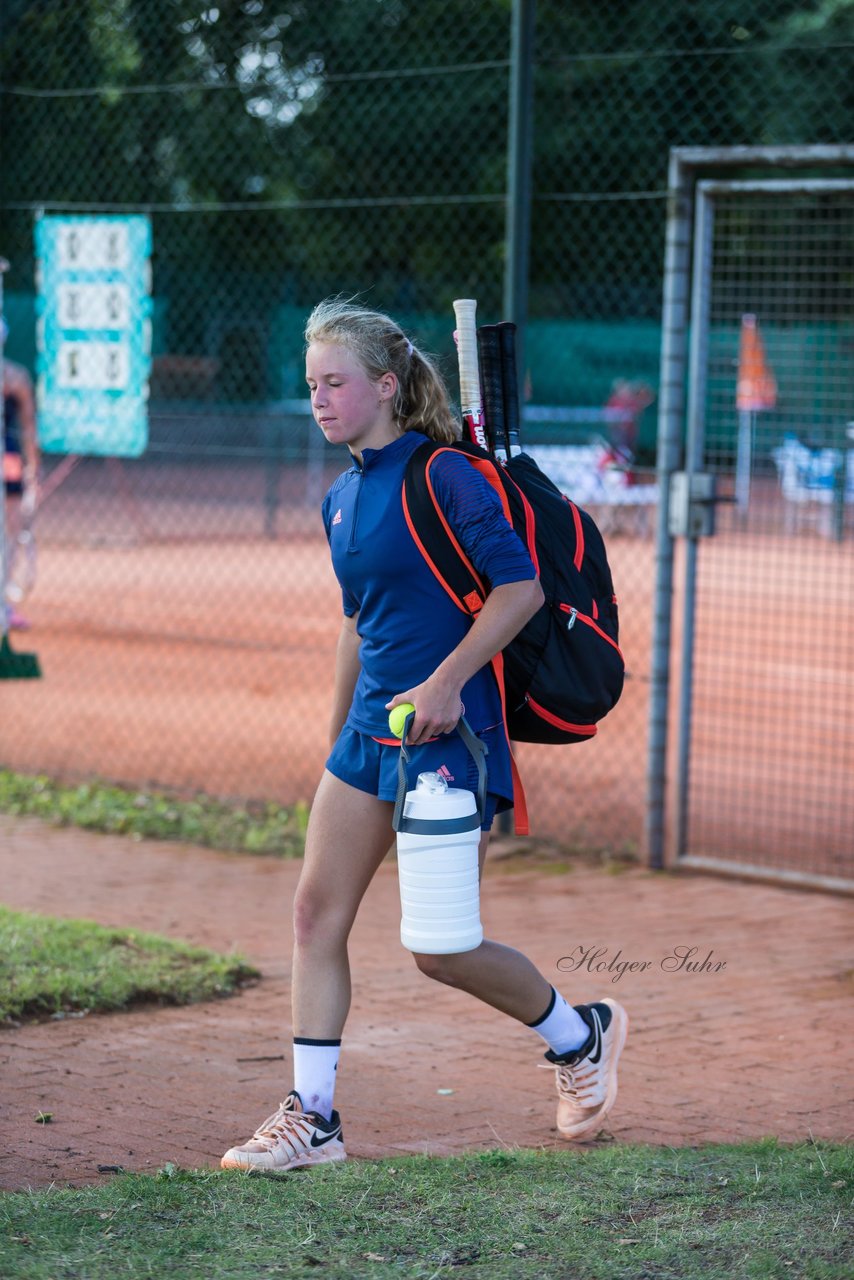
column 50, row 967
column 712, row 1213
column 153, row 815
column 248, row 828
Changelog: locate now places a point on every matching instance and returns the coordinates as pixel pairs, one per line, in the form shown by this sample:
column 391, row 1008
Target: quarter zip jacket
column 407, row 623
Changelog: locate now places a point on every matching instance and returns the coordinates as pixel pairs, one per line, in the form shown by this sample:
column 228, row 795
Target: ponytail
column 381, row 346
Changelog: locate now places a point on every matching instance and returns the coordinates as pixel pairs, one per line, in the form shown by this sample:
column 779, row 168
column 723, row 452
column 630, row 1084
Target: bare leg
column 349, row 834
column 493, row 973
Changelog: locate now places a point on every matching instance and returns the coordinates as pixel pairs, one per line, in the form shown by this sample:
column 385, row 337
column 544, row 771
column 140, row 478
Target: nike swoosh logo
column 327, row 1137
column 596, row 1052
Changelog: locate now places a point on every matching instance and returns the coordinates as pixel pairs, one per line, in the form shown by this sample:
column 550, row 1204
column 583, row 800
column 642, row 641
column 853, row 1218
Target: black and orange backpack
column 564, row 671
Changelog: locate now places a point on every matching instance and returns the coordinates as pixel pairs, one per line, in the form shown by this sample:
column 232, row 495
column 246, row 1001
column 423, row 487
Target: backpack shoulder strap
column 433, row 535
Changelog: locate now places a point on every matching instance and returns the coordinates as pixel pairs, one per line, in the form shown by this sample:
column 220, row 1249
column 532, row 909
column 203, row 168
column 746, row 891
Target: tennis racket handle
column 510, row 380
column 489, row 355
column 465, row 313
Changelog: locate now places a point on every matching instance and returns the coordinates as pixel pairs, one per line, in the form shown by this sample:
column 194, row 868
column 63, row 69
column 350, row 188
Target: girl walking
column 403, row 640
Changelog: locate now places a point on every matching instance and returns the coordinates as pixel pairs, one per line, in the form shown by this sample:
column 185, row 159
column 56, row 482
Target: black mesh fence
column 772, row 749
column 184, row 608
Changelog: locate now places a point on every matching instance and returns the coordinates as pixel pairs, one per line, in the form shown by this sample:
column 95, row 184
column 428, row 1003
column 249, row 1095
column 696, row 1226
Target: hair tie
column 409, row 348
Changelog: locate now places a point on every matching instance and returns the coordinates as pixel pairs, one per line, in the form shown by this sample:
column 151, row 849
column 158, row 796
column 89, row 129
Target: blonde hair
column 381, row 346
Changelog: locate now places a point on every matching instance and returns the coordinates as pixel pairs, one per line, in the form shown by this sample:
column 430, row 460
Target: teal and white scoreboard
column 93, row 334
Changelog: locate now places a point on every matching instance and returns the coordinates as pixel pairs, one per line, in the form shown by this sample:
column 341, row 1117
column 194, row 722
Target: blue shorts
column 371, row 765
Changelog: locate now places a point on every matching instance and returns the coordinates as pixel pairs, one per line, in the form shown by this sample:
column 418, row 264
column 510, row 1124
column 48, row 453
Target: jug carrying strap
column 447, row 826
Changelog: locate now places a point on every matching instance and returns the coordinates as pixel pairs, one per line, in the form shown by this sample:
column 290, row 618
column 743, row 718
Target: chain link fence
column 184, row 612
column 771, row 743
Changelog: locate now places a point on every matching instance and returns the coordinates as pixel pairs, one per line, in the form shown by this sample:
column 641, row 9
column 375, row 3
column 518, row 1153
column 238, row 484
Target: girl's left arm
column 437, row 701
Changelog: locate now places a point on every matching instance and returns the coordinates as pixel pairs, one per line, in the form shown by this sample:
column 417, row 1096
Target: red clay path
column 755, row 1048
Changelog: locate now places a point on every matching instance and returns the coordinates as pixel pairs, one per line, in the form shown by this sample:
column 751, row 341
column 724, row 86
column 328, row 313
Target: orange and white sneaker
column 289, row 1139
column 586, row 1079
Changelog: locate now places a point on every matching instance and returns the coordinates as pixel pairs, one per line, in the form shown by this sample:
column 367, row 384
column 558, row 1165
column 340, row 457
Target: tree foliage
column 362, row 142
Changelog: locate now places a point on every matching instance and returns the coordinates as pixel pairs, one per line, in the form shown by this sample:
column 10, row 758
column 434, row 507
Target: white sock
column 561, row 1026
column 315, row 1065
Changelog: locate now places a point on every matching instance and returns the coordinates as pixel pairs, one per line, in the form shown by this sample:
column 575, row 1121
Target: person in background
column 629, row 399
column 20, row 455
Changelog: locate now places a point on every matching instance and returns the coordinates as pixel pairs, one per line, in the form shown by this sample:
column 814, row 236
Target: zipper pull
column 573, row 614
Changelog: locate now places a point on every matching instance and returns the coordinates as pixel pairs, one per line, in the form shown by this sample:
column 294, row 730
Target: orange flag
column 756, row 389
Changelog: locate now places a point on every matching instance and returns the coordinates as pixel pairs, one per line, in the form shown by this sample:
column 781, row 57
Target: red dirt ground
column 754, row 1049
column 209, row 668
column 183, row 647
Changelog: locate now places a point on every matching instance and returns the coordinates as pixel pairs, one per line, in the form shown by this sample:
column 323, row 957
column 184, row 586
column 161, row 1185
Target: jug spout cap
column 433, row 784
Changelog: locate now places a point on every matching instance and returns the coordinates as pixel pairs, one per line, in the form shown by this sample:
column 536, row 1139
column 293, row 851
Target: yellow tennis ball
column 397, row 718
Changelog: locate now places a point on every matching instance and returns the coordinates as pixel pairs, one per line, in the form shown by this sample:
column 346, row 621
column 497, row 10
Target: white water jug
column 438, row 836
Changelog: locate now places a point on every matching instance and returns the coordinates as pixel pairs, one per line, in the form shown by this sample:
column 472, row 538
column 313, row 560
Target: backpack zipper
column 575, row 616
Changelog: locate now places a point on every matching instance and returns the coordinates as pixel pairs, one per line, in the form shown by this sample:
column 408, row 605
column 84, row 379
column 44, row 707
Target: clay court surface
column 756, row 1048
column 183, row 648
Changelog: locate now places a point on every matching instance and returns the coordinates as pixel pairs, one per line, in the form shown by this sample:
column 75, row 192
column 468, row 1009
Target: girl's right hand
column 437, row 710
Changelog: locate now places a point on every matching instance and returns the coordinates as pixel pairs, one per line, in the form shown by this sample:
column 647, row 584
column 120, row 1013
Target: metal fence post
column 670, row 418
column 519, row 149
column 697, row 374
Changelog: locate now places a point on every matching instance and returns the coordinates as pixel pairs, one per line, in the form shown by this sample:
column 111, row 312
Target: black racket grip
column 510, row 385
column 492, row 384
